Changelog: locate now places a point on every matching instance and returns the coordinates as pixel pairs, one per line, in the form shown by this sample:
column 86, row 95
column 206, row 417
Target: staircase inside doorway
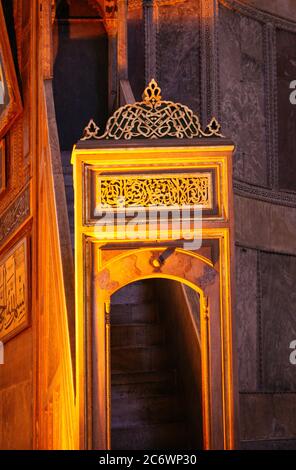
column 149, row 404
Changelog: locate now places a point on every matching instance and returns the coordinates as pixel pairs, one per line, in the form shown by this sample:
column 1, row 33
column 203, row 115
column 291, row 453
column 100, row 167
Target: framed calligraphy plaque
column 14, row 278
column 10, row 98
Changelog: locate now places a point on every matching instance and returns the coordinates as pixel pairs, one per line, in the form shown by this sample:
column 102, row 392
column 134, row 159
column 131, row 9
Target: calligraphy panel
column 14, row 312
column 155, row 190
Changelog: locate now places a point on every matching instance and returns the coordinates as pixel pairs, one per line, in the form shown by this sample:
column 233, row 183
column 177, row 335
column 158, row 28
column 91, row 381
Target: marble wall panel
column 242, row 98
column 267, row 416
column 16, row 417
column 178, row 52
column 259, row 224
column 278, row 321
column 286, row 74
column 246, row 317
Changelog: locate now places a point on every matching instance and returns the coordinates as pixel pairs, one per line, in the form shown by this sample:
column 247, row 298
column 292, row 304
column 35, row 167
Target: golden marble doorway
column 113, row 267
column 140, row 166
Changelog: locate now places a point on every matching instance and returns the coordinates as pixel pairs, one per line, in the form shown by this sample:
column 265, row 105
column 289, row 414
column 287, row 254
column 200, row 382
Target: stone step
column 166, row 436
column 144, row 410
column 142, row 377
column 140, row 359
column 134, row 313
column 136, row 335
column 142, row 384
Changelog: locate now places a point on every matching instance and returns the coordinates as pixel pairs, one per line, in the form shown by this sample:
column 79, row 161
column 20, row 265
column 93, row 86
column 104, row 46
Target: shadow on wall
column 186, row 347
column 80, row 81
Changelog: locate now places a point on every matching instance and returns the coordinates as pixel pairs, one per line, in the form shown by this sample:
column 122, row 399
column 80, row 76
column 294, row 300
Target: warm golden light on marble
column 112, row 262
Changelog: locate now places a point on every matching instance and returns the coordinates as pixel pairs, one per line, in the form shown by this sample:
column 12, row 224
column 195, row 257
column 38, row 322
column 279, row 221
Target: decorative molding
column 14, row 279
column 270, row 78
column 259, row 15
column 17, row 16
column 17, row 152
column 46, row 14
column 259, row 193
column 272, row 105
column 15, row 215
column 266, row 251
column 154, row 190
column 209, row 59
column 259, row 324
column 11, row 103
column 153, row 118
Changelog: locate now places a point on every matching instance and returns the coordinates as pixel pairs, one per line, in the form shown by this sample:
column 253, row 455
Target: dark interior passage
column 156, row 370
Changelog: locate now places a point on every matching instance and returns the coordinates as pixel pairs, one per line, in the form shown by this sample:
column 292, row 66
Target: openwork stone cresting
column 153, row 118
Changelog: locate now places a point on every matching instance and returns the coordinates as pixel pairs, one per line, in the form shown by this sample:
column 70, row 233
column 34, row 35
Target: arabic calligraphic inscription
column 14, row 315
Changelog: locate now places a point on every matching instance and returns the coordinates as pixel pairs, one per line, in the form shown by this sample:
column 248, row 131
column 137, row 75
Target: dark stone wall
column 277, row 318
column 256, row 59
column 242, row 86
column 178, row 52
column 80, row 80
column 265, row 309
column 227, row 58
column 136, row 46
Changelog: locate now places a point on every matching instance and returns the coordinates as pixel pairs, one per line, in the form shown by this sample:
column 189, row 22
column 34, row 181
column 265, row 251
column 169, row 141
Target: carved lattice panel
column 165, row 190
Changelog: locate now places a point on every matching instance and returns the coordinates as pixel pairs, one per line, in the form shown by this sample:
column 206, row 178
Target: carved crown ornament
column 153, row 118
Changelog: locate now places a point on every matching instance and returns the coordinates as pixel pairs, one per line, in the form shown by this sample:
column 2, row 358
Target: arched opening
column 155, row 366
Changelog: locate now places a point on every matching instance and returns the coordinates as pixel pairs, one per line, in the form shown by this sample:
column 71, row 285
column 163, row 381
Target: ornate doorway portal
column 157, row 209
